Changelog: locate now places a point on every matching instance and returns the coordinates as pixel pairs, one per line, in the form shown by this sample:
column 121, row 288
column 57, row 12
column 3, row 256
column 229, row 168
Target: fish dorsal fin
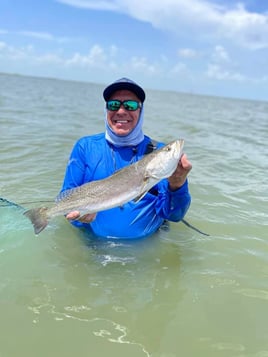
column 63, row 195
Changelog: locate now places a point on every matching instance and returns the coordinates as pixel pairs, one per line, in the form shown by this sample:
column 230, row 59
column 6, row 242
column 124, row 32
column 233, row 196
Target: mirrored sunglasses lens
column 113, row 105
column 131, row 105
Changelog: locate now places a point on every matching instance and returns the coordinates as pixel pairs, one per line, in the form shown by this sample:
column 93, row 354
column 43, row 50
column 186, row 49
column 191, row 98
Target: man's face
column 123, row 121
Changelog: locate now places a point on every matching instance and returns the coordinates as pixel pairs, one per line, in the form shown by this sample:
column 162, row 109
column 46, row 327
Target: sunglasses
column 115, row 105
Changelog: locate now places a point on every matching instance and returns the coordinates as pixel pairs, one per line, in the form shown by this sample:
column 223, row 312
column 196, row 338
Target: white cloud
column 3, row 46
column 199, row 17
column 46, row 36
column 264, row 79
column 13, row 53
column 141, row 64
column 220, row 54
column 179, row 68
column 113, row 51
column 95, row 57
column 222, row 67
column 38, row 35
column 217, row 72
column 27, row 55
column 98, row 57
column 49, row 58
column 91, row 4
column 187, row 53
column 249, row 29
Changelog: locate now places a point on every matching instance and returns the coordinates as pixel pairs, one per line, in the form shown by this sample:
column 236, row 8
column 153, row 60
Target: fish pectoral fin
column 146, row 178
column 139, row 197
column 143, row 192
column 149, row 175
column 158, row 178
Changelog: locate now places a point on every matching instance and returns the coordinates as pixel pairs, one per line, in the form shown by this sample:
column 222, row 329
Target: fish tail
column 38, row 217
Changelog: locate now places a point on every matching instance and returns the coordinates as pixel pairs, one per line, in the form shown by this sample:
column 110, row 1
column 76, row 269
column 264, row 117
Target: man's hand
column 86, row 218
column 178, row 178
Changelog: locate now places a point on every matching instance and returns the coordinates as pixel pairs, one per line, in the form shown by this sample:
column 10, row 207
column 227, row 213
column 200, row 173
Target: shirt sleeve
column 75, row 170
column 173, row 205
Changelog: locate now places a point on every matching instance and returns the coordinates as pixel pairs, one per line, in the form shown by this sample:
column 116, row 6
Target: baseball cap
column 124, row 83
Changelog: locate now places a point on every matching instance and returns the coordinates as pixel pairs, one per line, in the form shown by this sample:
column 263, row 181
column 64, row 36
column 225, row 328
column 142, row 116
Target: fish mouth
column 180, row 144
column 178, row 148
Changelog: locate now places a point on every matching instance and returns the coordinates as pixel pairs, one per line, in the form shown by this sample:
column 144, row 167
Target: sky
column 212, row 47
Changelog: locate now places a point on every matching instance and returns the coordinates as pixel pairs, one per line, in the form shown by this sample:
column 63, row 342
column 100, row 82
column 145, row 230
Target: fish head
column 174, row 149
column 165, row 160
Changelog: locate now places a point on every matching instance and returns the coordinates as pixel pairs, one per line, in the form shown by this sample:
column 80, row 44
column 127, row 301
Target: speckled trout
column 130, row 183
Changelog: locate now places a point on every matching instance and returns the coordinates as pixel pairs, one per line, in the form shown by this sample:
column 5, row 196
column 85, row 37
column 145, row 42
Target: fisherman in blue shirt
column 123, row 142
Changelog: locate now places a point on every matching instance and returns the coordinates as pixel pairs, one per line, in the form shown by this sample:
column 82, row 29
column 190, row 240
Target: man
column 98, row 156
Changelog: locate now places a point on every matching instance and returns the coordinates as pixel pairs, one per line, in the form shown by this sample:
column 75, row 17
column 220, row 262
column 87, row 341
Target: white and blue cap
column 121, row 84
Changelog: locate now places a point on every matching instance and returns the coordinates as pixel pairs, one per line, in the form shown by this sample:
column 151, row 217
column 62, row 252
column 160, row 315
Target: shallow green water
column 177, row 293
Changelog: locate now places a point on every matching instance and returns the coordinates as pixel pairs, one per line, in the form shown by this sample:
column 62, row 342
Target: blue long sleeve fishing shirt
column 94, row 158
